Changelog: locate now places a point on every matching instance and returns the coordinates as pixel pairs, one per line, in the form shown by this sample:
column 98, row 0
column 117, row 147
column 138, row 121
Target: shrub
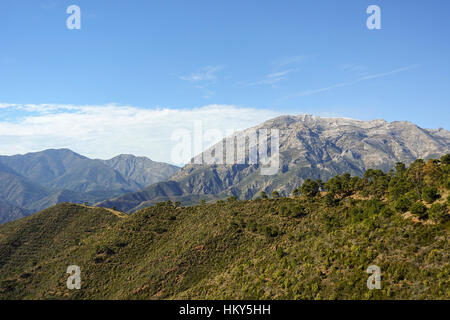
column 252, row 226
column 447, row 184
column 400, row 169
column 412, row 196
column 310, row 188
column 284, row 211
column 270, row 232
column 298, row 211
column 275, row 194
column 386, row 211
column 280, row 252
column 439, row 212
column 373, row 207
column 329, row 199
column 430, row 194
column 402, row 204
column 419, row 209
column 399, row 187
column 103, row 248
column 445, row 159
column 159, row 230
column 263, row 195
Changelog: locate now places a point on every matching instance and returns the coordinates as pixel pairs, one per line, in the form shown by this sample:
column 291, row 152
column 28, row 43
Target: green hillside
column 316, row 244
column 41, row 237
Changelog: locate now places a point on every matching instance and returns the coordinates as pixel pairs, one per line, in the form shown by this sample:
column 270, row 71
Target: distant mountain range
column 35, row 181
column 310, row 147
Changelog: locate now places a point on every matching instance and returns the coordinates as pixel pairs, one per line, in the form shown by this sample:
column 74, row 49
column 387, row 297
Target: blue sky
column 280, row 57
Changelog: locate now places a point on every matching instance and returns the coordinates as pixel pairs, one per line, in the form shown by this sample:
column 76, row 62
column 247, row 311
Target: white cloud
column 348, row 83
column 282, row 67
column 8, row 105
column 270, row 79
column 278, row 74
column 204, row 79
column 208, row 74
column 105, row 131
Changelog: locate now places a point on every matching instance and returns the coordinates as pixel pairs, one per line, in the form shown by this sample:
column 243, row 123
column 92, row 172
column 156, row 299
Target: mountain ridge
column 34, row 181
column 310, row 147
column 141, row 169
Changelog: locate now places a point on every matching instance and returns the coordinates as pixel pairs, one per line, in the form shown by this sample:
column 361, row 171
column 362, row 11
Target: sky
column 138, row 70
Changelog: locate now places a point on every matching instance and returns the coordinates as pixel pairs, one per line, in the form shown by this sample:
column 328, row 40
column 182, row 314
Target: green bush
column 439, row 212
column 386, row 211
column 252, row 226
column 412, row 196
column 310, row 188
column 270, row 232
column 445, row 159
column 280, row 252
column 284, row 211
column 402, row 204
column 430, row 194
column 419, row 209
column 103, row 248
column 447, row 184
column 298, row 211
column 329, row 199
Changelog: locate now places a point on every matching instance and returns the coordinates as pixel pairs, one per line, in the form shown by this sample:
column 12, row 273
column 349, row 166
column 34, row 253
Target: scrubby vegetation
column 316, row 244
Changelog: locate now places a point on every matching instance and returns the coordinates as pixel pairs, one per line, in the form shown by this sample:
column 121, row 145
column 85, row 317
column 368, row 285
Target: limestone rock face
column 363, row 144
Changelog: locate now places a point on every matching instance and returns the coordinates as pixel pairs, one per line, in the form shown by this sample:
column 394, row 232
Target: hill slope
column 40, row 237
column 314, row 246
column 310, row 147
